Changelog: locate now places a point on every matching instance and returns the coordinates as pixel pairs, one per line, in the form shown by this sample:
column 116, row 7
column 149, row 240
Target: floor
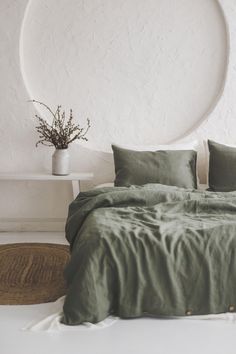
column 125, row 336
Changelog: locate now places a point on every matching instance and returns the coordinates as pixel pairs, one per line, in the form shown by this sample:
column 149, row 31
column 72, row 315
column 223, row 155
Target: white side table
column 74, row 178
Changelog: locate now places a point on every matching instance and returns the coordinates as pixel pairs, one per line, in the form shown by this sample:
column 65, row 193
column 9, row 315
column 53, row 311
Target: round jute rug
column 32, row 273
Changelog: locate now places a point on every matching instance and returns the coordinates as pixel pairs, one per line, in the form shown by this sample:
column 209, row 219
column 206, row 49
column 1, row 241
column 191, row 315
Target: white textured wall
column 144, row 71
column 127, row 63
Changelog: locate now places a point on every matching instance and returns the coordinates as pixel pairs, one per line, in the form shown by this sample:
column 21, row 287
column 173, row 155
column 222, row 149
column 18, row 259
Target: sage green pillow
column 222, row 167
column 170, row 167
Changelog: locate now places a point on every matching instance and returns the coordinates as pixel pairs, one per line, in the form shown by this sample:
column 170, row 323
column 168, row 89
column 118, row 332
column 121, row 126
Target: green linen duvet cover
column 151, row 250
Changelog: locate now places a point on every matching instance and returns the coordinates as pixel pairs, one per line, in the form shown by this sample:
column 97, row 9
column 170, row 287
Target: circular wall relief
column 145, row 72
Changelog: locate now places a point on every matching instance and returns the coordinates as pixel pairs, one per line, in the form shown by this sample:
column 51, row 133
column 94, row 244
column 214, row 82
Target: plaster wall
column 145, row 72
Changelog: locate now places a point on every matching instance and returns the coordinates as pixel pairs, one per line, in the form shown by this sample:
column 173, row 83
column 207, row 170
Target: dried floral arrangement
column 62, row 131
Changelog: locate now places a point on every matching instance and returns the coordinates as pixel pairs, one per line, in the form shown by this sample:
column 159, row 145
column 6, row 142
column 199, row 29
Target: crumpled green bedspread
column 152, row 250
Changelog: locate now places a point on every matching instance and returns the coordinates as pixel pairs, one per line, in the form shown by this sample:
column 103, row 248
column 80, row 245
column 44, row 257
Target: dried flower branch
column 61, row 132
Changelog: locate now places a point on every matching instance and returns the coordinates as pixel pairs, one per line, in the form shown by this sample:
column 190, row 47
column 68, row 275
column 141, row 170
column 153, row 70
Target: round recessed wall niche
column 145, row 72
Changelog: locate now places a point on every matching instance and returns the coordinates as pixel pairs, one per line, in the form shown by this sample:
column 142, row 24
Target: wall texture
column 125, row 64
column 145, row 72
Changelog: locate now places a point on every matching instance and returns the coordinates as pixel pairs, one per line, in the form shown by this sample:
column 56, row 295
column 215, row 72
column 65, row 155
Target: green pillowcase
column 170, row 167
column 222, row 167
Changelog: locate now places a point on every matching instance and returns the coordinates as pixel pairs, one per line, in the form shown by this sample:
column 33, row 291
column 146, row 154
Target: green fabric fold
column 150, row 250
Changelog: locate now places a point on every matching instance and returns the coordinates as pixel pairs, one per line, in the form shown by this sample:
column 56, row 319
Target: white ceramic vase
column 61, row 162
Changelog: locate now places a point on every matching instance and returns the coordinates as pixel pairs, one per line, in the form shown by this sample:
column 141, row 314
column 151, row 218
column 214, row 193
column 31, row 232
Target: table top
column 44, row 176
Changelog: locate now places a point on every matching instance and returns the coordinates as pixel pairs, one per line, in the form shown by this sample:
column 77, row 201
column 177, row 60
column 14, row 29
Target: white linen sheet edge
column 51, row 323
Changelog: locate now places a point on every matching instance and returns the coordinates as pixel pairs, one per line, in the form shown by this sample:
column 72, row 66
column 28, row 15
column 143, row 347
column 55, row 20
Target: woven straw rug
column 32, row 273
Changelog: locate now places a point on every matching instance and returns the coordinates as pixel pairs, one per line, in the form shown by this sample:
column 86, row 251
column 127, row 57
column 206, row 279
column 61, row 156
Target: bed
column 150, row 250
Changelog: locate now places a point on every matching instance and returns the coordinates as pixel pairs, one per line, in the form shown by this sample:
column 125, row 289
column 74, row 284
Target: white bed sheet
column 51, row 322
